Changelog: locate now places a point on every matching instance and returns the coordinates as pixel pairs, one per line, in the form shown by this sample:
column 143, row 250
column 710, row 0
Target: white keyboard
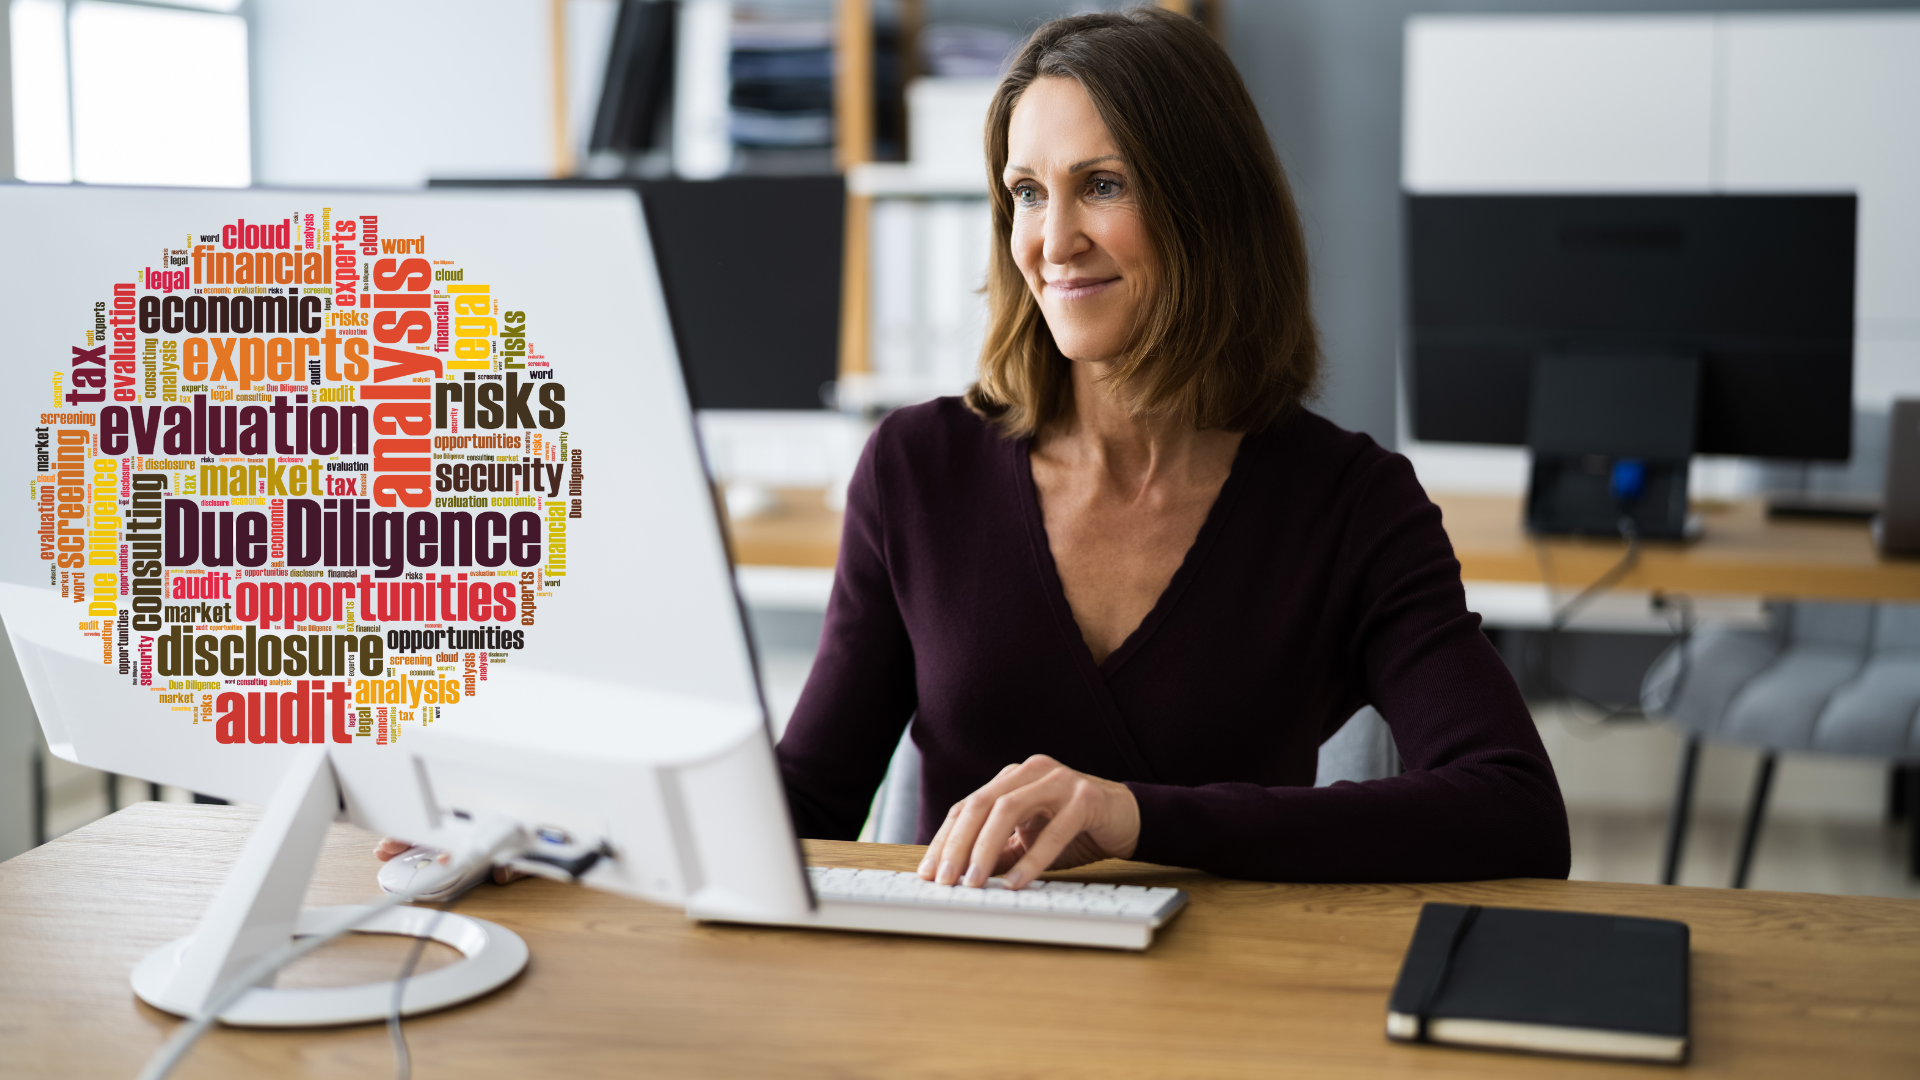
column 1054, row 912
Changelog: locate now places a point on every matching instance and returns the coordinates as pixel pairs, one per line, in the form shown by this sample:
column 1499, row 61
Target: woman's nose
column 1063, row 237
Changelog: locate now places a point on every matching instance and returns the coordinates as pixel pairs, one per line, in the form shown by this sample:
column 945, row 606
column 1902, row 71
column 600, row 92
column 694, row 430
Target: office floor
column 1827, row 832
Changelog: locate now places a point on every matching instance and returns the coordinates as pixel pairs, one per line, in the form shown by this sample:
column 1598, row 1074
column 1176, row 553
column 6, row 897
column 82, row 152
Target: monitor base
column 257, row 912
column 493, row 955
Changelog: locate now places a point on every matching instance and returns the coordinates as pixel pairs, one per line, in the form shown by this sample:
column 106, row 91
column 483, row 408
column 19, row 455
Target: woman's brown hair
column 1230, row 342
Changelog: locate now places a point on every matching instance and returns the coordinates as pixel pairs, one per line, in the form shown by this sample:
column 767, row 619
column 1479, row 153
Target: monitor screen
column 1760, row 287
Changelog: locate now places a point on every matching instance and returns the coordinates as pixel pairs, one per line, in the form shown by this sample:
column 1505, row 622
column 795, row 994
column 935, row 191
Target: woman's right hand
column 388, row 847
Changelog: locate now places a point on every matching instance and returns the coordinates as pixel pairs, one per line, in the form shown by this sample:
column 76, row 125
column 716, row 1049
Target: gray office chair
column 1362, row 749
column 1824, row 678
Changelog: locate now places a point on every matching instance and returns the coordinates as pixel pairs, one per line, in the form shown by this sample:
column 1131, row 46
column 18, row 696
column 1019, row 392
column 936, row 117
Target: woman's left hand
column 1035, row 816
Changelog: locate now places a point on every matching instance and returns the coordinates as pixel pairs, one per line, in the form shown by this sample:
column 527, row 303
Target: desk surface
column 1251, row 980
column 1742, row 553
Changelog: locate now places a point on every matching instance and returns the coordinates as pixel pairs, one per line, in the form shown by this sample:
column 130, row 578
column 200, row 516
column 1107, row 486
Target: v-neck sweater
column 1320, row 582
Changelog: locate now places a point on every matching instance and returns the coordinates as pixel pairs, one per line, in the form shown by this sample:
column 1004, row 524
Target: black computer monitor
column 1758, row 287
column 751, row 270
column 637, row 87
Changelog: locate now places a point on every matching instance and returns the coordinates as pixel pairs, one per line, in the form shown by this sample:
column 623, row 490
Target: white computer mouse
column 418, row 872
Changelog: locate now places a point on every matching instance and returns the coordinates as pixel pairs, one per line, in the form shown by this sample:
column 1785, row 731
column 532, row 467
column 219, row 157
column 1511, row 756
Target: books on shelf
column 781, row 70
column 957, row 50
column 929, row 314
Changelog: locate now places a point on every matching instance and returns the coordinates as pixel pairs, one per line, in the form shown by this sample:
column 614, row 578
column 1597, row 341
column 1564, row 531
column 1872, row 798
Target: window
column 117, row 93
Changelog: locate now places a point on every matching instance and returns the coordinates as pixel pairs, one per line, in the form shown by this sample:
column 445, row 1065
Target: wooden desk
column 798, row 531
column 1252, row 980
column 1742, row 554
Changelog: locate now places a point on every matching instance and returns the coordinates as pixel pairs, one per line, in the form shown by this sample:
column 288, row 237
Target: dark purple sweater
column 1321, row 581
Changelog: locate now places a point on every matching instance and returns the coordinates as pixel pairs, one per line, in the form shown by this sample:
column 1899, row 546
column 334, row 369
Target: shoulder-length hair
column 1230, row 342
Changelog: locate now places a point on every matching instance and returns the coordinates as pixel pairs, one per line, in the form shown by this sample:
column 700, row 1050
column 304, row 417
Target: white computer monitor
column 210, row 377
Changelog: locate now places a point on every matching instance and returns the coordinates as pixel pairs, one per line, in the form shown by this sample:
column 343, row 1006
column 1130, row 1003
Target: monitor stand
column 1612, row 433
column 258, row 910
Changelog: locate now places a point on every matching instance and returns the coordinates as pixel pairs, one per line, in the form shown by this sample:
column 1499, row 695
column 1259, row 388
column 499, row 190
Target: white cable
column 170, row 1052
column 402, row 1058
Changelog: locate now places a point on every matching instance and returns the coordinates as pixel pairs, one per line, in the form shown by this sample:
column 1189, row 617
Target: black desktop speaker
column 1611, row 435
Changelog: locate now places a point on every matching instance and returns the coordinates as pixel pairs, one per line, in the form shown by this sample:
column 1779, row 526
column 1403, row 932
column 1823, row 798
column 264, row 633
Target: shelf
column 886, row 179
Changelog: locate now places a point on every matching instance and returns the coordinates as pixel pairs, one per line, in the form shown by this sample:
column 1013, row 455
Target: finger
column 961, row 830
column 1040, row 798
column 930, row 862
column 388, row 847
column 955, row 855
column 504, row 874
column 1064, row 829
column 1015, row 849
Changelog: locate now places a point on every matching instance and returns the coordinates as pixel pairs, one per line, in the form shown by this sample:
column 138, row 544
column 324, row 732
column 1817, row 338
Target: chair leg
column 1756, row 810
column 1681, row 809
column 39, row 798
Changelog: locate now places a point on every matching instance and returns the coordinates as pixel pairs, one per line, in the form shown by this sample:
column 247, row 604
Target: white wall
column 386, row 93
column 1834, row 102
column 1558, row 103
column 1816, row 102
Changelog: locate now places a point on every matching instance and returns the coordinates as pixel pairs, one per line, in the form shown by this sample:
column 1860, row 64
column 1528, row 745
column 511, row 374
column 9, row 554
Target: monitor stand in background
column 1611, row 435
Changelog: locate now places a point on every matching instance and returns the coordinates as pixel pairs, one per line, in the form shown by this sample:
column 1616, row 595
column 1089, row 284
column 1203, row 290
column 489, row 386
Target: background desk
column 1743, row 552
column 1252, row 980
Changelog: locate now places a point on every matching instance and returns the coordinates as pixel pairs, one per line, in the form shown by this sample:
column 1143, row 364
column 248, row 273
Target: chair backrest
column 896, row 809
column 1896, row 626
column 1362, row 750
column 1830, row 624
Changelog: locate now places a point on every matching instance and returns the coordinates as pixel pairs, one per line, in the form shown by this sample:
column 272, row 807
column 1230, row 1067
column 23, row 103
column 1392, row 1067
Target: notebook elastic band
column 1439, row 983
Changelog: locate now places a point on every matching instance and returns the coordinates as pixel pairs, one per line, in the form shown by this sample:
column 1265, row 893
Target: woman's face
column 1078, row 237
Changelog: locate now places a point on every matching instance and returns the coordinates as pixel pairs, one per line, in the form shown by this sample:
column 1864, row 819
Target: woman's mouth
column 1079, row 288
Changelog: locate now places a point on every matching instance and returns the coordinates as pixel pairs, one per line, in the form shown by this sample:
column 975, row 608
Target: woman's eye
column 1106, row 188
column 1025, row 195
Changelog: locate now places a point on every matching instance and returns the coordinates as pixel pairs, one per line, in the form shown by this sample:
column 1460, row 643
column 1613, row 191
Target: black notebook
column 1556, row 982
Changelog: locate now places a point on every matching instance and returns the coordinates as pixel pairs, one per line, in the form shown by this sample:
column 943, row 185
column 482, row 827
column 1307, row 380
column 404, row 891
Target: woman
column 1128, row 586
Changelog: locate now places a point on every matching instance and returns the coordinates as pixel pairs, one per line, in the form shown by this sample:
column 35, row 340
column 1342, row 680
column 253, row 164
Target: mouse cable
column 575, row 868
column 501, row 840
column 402, row 1059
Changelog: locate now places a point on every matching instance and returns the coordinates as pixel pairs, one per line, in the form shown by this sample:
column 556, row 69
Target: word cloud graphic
column 305, row 479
